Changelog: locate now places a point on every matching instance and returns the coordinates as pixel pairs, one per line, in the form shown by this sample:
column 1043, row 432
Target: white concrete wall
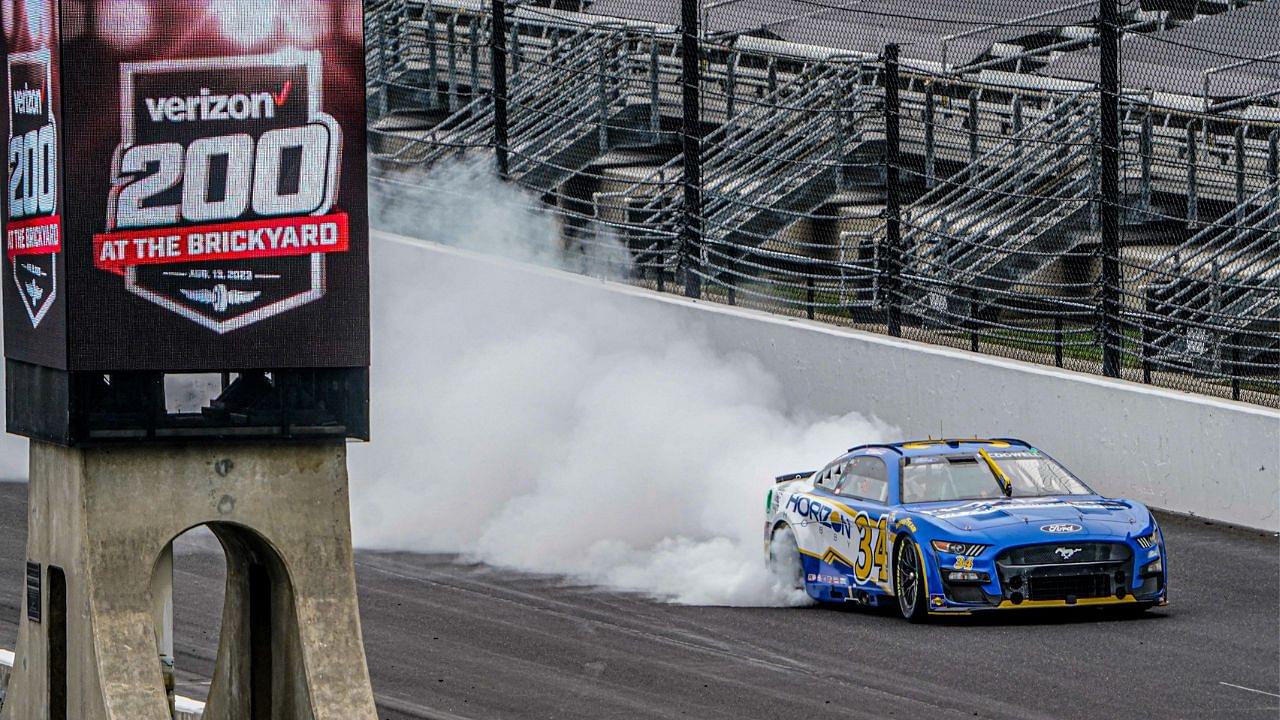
column 6, row 666
column 1178, row 451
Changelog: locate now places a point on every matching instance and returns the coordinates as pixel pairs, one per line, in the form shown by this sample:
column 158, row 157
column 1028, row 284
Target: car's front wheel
column 908, row 581
column 784, row 559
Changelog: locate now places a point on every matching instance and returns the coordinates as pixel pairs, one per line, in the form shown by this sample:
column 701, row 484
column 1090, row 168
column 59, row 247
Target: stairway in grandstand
column 784, row 157
column 567, row 104
column 1218, row 294
column 1005, row 217
column 774, row 162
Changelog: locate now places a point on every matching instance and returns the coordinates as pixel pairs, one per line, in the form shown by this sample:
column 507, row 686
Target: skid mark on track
column 414, row 710
column 573, row 613
column 1249, row 689
column 881, row 688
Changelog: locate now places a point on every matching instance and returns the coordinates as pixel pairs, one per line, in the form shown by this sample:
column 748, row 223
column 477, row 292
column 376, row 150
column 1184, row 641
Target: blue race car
column 955, row 526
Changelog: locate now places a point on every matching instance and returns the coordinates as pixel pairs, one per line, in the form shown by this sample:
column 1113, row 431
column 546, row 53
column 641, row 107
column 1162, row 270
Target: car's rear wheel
column 908, row 582
column 784, row 559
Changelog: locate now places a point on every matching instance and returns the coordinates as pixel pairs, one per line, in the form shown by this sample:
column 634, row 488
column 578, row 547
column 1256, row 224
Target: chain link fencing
column 1087, row 186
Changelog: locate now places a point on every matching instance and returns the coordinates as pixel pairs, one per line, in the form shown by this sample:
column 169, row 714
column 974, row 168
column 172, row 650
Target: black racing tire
column 909, row 582
column 784, row 558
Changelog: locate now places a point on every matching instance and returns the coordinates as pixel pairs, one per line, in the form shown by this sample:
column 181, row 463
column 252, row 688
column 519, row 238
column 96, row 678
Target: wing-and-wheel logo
column 223, row 187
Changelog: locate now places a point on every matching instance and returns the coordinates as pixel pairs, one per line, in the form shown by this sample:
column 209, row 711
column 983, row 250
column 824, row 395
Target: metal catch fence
column 1004, row 187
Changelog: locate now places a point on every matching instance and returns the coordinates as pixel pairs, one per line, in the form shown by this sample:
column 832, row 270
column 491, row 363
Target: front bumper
column 1113, row 573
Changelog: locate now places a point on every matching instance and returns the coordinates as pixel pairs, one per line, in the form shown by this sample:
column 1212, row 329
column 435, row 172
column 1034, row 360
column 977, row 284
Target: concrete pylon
column 101, row 519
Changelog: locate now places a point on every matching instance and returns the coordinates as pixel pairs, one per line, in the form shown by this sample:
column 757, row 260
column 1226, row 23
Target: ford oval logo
column 1061, row 528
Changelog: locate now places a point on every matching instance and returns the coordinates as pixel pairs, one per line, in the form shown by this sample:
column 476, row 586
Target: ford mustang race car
column 956, row 526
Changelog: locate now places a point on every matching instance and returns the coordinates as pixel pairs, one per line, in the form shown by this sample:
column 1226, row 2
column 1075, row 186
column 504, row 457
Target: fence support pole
column 1193, row 199
column 498, row 67
column 973, row 126
column 893, row 231
column 730, row 87
column 602, row 101
column 1235, row 367
column 1146, row 148
column 451, row 34
column 655, row 90
column 973, row 320
column 1273, row 167
column 1148, row 337
column 433, row 59
column 473, row 39
column 691, row 252
column 1273, row 156
column 930, row 168
column 1109, row 293
column 1057, row 340
column 1240, row 211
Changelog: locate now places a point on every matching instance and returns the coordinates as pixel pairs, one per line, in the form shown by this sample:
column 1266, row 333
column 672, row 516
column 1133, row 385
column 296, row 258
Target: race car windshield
column 966, row 477
column 1034, row 475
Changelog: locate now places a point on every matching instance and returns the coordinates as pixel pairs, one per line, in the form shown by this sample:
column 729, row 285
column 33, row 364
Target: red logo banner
column 38, row 236
column 250, row 239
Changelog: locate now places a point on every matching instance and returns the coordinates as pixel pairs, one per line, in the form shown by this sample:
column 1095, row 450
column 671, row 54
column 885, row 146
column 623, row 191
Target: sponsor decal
column 1061, row 528
column 1066, row 553
column 983, row 508
column 869, row 535
column 224, row 186
column 1014, row 454
column 813, row 511
column 33, row 232
column 827, row 579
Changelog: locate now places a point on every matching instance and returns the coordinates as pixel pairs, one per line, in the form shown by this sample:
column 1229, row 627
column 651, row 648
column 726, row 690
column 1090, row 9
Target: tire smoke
column 518, row 427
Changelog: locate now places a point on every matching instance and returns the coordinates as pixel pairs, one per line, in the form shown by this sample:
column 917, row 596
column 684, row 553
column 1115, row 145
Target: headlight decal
column 958, row 548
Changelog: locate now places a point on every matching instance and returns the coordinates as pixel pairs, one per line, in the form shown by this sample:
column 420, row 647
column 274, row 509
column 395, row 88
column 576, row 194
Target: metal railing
column 999, row 249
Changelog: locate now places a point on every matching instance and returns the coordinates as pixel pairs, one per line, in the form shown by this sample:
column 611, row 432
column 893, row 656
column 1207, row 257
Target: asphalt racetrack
column 450, row 641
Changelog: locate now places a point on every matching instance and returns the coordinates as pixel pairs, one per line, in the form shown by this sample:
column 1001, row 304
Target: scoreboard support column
column 104, row 519
column 185, row 286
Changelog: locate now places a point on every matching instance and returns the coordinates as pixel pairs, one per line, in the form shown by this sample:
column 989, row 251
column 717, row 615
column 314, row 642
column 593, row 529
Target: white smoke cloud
column 524, row 430
column 463, row 204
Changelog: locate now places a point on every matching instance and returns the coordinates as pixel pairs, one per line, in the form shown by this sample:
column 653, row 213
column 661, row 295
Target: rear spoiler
column 793, row 476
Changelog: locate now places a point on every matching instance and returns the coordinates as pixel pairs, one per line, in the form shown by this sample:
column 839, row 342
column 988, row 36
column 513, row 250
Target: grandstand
column 999, row 161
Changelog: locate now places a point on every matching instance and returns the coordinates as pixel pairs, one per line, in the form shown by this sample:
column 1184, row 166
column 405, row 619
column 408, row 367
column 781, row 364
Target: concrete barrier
column 1178, row 451
column 187, row 709
column 6, row 665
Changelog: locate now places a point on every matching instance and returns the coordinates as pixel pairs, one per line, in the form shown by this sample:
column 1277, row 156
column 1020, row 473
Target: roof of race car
column 941, row 446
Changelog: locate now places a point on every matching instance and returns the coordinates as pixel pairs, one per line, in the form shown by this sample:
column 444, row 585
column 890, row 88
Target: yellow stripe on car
column 1009, row 605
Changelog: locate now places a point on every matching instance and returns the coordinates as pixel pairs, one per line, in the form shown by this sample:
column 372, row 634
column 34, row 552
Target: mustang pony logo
column 1067, row 553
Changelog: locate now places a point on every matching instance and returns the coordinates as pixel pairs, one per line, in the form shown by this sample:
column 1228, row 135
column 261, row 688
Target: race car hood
column 1093, row 515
